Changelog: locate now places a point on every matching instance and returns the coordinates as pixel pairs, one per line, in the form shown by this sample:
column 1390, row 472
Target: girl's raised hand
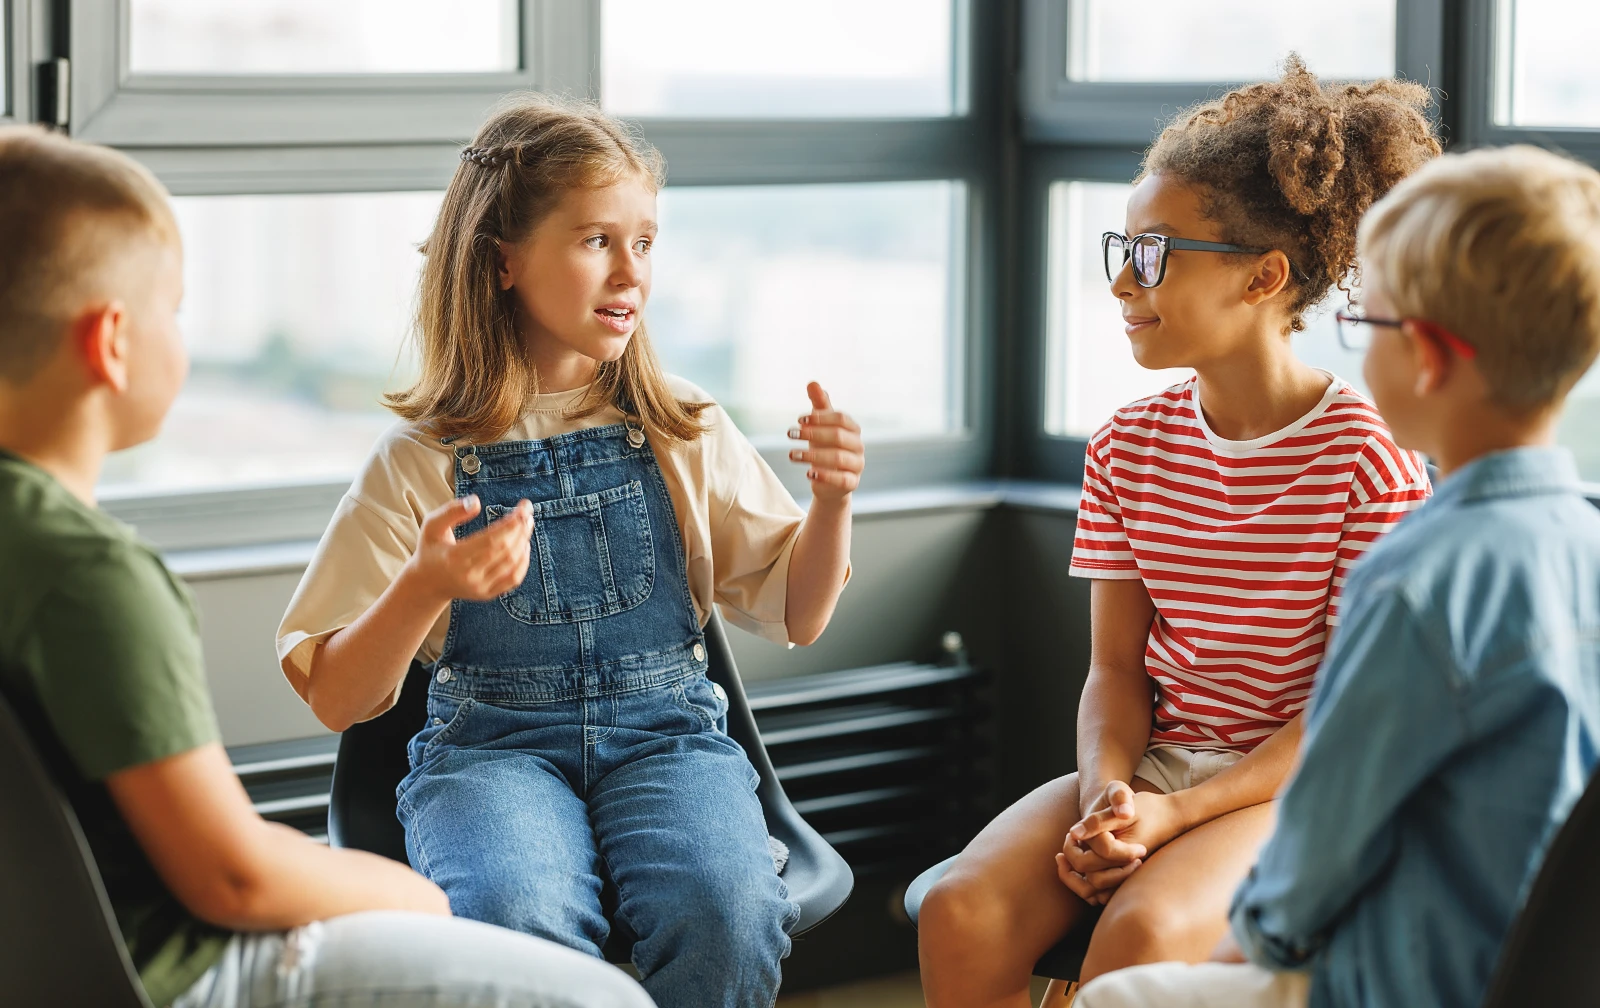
column 834, row 453
column 484, row 565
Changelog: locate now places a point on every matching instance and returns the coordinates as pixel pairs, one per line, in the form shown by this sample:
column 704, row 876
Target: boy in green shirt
column 100, row 654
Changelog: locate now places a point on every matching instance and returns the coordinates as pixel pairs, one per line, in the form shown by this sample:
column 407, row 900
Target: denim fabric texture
column 1453, row 727
column 573, row 735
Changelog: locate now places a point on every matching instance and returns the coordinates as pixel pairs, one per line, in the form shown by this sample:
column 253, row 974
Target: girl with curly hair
column 1218, row 521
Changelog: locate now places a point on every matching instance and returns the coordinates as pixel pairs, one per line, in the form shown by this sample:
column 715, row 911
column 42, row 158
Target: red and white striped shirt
column 1243, row 546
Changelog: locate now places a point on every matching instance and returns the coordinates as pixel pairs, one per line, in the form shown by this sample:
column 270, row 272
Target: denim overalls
column 572, row 731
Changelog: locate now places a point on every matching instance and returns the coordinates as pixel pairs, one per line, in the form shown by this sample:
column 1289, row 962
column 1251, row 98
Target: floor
column 899, row 991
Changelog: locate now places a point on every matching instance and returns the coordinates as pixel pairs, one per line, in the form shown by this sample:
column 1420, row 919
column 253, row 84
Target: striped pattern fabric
column 1243, row 547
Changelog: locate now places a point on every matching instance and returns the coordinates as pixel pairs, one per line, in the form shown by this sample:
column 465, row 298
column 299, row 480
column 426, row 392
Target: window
column 295, row 312
column 1106, row 72
column 1546, row 73
column 734, row 58
column 312, row 36
column 1089, row 368
column 758, row 289
column 1226, row 40
column 188, row 73
column 828, row 191
column 5, row 63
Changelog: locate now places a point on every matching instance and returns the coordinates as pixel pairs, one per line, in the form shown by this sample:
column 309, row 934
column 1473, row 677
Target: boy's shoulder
column 47, row 534
column 1491, row 574
column 75, row 563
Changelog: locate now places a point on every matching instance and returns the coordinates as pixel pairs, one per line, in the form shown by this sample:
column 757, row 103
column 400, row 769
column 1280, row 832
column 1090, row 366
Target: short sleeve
column 362, row 551
column 121, row 676
column 754, row 524
column 1388, row 484
column 1100, row 546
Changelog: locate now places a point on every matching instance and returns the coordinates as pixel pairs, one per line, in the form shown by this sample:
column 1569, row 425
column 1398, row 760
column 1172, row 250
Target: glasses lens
column 1115, row 252
column 1354, row 334
column 1147, row 261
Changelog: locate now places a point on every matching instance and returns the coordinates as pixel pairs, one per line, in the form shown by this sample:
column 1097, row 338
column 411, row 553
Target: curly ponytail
column 1292, row 164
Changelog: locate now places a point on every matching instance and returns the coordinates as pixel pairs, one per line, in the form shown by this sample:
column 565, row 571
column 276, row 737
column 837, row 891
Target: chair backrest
column 818, row 878
column 61, row 944
column 1549, row 957
column 372, row 761
column 369, row 766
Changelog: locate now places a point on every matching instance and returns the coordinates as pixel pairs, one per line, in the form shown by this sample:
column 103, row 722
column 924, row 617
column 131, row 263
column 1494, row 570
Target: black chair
column 1549, row 955
column 372, row 761
column 1063, row 961
column 59, row 940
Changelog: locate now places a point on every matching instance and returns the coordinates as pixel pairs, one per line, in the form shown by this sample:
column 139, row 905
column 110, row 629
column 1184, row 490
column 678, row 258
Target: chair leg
column 1060, row 994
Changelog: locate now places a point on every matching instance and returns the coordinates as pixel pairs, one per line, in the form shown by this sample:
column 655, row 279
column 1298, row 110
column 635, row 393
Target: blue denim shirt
column 1452, row 728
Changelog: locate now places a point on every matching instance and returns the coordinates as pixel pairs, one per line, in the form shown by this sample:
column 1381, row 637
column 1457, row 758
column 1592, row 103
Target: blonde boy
column 99, row 650
column 1455, row 721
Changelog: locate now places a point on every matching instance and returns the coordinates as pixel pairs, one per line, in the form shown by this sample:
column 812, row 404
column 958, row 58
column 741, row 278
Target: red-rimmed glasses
column 1353, row 337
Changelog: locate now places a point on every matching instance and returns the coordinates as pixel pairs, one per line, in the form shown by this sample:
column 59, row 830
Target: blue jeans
column 518, row 810
column 389, row 959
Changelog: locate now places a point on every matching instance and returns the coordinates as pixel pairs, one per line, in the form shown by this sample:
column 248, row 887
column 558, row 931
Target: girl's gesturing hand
column 835, row 454
column 484, row 565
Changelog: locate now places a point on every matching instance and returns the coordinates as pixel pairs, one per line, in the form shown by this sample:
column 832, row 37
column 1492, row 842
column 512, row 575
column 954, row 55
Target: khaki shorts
column 1172, row 768
column 1202, row 985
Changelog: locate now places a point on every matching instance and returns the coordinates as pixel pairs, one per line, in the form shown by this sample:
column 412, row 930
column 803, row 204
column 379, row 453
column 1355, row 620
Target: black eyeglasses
column 1148, row 253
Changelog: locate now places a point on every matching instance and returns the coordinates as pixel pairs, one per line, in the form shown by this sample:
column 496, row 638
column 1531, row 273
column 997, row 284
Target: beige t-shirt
column 739, row 526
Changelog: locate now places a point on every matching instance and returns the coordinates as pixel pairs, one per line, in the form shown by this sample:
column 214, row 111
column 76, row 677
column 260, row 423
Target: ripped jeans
column 391, row 959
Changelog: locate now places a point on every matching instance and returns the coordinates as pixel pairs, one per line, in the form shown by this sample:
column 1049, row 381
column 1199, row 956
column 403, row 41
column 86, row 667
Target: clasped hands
column 1118, row 833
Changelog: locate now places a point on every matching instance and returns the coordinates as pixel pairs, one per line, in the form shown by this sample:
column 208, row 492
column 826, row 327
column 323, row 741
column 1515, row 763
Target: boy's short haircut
column 68, row 212
column 1502, row 248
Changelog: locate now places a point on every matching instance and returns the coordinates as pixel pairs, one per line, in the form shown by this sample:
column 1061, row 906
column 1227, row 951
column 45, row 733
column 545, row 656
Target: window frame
column 255, row 155
column 16, row 61
column 1478, row 83
column 1057, row 109
column 112, row 105
column 1096, row 132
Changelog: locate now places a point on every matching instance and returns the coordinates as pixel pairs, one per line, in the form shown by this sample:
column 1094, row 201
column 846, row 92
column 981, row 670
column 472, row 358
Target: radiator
column 890, row 763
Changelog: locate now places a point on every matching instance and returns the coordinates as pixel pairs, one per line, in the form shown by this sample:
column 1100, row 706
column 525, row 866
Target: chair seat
column 372, row 761
column 1063, row 961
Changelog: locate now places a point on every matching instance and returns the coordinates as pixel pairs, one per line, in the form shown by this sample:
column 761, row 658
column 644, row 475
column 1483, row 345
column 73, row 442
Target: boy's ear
column 1430, row 361
column 101, row 338
column 1271, row 275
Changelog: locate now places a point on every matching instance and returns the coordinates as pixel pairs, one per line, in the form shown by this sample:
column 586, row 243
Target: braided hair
column 1292, row 164
column 476, row 376
column 489, row 157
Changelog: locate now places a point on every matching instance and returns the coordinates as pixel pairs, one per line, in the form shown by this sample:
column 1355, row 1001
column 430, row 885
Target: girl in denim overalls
column 552, row 556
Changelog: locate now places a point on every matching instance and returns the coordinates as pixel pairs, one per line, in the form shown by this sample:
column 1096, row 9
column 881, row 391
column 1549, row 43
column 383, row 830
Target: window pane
column 1089, row 366
column 1580, row 425
column 295, row 311
column 5, row 61
column 1226, row 40
column 316, row 36
column 760, row 289
column 1548, row 74
column 826, row 58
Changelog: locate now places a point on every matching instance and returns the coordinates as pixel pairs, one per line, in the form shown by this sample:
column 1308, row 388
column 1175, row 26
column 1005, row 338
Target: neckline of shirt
column 556, row 402
column 1335, row 387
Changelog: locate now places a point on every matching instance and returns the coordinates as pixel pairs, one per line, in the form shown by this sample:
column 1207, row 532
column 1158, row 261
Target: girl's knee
column 962, row 911
column 742, row 919
column 1137, row 930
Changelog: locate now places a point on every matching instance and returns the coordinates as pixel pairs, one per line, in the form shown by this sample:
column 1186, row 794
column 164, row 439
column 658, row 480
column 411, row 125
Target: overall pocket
column 592, row 556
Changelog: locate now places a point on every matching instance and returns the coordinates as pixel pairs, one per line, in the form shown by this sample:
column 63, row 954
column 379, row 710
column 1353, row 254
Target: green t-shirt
column 100, row 641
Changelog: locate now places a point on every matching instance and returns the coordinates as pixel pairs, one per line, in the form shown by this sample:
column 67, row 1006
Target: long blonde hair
column 476, row 376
